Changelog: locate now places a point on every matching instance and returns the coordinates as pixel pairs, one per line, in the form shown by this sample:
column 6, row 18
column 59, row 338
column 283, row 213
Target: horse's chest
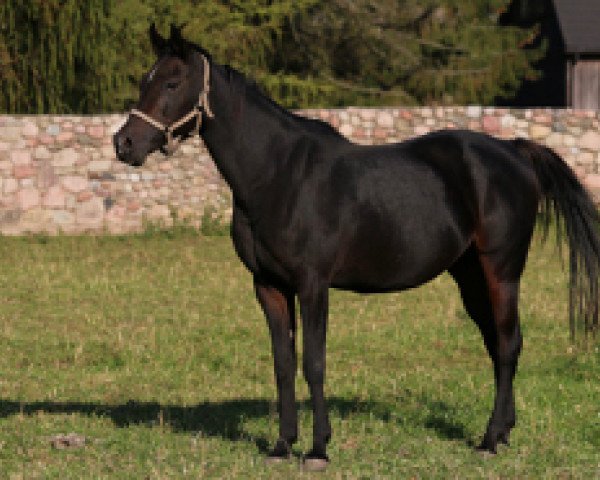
column 255, row 253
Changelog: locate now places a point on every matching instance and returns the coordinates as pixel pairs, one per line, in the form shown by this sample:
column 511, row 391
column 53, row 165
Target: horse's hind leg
column 492, row 303
column 504, row 296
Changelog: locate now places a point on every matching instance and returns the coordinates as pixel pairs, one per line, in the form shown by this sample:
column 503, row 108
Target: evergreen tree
column 72, row 56
column 52, row 54
column 409, row 51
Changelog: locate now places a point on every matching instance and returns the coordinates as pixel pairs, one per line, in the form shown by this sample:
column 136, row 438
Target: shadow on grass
column 440, row 420
column 226, row 419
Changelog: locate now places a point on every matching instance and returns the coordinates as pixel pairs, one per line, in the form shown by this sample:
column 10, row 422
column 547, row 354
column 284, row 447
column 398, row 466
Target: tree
column 71, row 56
column 409, row 51
column 54, row 56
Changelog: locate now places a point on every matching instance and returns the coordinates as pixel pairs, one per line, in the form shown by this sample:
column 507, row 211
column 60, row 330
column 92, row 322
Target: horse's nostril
column 123, row 144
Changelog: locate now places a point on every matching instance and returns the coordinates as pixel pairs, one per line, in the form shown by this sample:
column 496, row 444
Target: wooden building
column 579, row 22
column 570, row 70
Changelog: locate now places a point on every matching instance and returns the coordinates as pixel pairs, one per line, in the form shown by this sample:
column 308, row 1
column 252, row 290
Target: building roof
column 579, row 22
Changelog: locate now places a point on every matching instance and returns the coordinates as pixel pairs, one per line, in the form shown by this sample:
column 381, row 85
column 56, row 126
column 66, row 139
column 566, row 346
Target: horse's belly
column 380, row 264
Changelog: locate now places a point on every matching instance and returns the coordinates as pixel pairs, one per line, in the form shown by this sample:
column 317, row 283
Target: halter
column 173, row 143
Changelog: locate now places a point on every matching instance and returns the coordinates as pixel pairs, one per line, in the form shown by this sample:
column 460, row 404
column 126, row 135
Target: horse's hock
column 59, row 173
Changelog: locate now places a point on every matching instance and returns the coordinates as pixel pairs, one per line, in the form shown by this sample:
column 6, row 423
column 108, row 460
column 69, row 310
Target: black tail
column 565, row 200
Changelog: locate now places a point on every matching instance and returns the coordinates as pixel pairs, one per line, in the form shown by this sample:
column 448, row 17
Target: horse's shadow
column 226, row 419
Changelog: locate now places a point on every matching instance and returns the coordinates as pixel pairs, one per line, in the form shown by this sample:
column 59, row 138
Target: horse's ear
column 177, row 43
column 175, row 36
column 159, row 43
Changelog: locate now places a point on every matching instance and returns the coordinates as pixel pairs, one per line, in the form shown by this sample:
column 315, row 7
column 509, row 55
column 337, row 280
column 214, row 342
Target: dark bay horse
column 313, row 211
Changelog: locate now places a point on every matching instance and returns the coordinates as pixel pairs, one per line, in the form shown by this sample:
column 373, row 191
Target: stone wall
column 59, row 173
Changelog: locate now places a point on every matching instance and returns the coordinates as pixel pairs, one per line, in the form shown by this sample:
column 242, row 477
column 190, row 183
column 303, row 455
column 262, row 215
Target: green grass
column 153, row 347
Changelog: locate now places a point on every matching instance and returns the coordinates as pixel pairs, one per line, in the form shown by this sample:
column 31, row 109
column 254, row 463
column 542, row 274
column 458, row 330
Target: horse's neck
column 245, row 138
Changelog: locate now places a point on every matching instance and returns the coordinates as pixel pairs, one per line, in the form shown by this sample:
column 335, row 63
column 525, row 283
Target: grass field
column 153, row 347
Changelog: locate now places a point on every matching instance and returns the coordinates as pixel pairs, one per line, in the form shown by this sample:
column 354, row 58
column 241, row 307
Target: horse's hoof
column 281, row 452
column 314, row 464
column 504, row 439
column 276, row 460
column 486, row 449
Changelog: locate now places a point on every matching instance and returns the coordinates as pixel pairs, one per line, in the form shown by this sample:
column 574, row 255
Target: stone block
column 53, row 130
column 74, row 184
column 30, row 129
column 368, row 114
column 54, row 197
column 66, row 157
column 62, row 217
column 406, row 114
column 539, row 132
column 20, row 157
column 41, row 153
column 158, row 212
column 592, row 181
column 133, row 205
column 9, row 216
column 98, row 166
column 10, row 185
column 586, row 158
column 491, row 124
column 27, row 198
column 380, row 133
column 347, row 130
column 474, row 111
column 108, row 152
column 37, row 220
column 84, row 196
column 95, row 131
column 385, row 119
column 24, row 171
column 10, row 133
column 508, row 121
column 555, row 139
column 64, row 137
column 90, row 214
column 422, row 130
column 5, row 165
column 590, row 140
column 46, row 175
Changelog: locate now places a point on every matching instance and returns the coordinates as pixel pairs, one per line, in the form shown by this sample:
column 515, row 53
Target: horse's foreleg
column 278, row 307
column 313, row 307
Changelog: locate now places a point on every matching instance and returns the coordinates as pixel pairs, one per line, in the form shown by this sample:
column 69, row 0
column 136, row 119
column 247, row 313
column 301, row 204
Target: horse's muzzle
column 124, row 149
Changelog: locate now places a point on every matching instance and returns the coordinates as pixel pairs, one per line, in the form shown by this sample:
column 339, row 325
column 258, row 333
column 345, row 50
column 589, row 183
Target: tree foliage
column 72, row 56
column 45, row 47
column 410, row 51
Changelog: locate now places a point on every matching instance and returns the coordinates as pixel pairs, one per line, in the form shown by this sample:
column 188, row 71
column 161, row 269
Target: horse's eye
column 172, row 85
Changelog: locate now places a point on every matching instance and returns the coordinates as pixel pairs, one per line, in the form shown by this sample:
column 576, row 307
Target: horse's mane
column 244, row 85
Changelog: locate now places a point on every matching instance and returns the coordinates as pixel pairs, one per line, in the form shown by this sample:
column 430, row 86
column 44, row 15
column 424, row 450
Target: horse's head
column 172, row 96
